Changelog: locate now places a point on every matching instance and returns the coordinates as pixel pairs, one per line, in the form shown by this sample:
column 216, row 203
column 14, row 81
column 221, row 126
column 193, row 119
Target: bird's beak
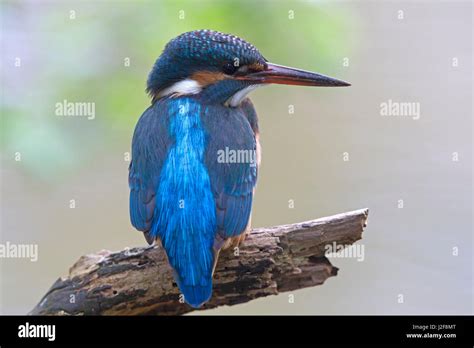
column 290, row 76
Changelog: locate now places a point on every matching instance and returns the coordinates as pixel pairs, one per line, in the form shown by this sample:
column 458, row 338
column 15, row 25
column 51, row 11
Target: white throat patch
column 188, row 86
column 237, row 98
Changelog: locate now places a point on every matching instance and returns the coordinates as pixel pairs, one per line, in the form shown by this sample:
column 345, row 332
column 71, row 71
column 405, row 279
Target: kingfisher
column 184, row 193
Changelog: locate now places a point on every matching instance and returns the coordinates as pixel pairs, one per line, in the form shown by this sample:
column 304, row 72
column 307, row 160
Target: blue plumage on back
column 185, row 208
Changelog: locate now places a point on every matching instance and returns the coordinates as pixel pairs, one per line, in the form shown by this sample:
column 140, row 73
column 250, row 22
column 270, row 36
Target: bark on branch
column 139, row 280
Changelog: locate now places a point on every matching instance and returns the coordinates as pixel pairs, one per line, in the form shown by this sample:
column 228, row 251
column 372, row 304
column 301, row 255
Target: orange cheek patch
column 205, row 78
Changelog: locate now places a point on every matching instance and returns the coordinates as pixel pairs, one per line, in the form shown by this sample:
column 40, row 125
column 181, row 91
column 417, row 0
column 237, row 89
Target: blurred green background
column 79, row 51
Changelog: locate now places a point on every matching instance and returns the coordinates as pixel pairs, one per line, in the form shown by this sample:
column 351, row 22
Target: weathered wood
column 139, row 280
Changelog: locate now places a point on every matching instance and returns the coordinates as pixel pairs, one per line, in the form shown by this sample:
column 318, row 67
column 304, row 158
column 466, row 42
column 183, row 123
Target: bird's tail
column 195, row 294
column 192, row 259
column 188, row 237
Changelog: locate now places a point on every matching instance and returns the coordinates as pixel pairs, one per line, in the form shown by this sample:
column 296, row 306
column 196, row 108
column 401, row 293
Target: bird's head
column 222, row 68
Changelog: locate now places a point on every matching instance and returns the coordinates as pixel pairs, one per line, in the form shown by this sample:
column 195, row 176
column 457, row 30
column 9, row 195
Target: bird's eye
column 229, row 68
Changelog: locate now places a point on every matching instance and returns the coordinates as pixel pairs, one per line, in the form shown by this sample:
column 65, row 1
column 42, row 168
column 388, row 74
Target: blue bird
column 195, row 151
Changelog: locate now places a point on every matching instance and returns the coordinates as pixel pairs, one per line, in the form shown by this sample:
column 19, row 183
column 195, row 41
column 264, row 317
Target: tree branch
column 139, row 280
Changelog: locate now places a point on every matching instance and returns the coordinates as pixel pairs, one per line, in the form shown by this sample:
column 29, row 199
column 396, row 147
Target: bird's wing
column 150, row 145
column 232, row 183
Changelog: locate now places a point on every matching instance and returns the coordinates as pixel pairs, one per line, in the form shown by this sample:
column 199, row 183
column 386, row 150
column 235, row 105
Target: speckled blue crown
column 199, row 50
